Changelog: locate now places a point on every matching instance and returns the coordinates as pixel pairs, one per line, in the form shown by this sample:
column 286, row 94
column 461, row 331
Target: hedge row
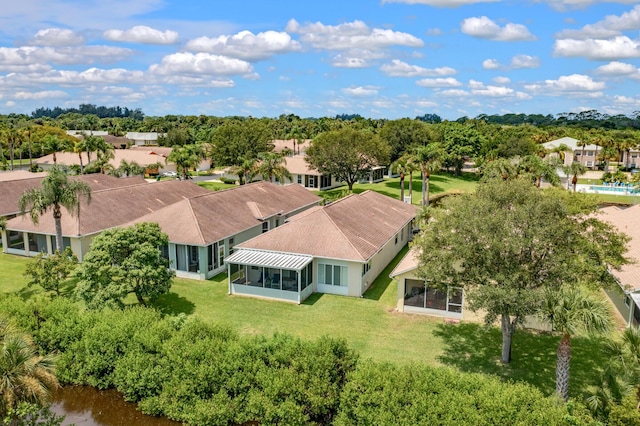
column 203, row 374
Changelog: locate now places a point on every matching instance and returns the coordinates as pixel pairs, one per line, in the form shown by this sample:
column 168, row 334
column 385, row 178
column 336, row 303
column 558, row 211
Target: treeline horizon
column 584, row 119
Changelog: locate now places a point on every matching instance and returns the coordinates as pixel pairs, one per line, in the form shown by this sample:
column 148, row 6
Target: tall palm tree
column 186, row 157
column 129, row 169
column 79, row 147
column 401, row 166
column 569, row 310
column 539, row 169
column 430, row 159
column 272, row 165
column 104, row 152
column 246, row 170
column 52, row 144
column 56, row 191
column 25, row 376
column 575, row 169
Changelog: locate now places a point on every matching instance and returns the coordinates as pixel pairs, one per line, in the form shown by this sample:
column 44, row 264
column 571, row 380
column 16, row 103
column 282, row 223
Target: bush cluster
column 228, row 181
column 202, row 374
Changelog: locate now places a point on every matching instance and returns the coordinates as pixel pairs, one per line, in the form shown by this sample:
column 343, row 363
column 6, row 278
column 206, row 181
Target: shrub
column 228, row 180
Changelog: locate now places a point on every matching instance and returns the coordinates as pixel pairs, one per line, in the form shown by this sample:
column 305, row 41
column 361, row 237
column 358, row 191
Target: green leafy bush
column 227, row 180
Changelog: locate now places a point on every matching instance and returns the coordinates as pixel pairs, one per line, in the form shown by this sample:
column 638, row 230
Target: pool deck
column 611, row 189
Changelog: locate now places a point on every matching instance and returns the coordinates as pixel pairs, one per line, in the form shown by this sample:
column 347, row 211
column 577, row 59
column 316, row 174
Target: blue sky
column 380, row 59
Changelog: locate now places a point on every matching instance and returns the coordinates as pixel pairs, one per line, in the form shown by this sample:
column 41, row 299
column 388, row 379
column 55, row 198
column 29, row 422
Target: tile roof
column 10, row 191
column 626, row 220
column 211, row 217
column 143, row 157
column 20, row 174
column 570, row 142
column 352, row 228
column 298, row 166
column 280, row 144
column 114, row 207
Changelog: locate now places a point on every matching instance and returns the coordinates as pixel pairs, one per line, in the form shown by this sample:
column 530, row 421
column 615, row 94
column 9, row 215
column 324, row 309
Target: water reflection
column 87, row 406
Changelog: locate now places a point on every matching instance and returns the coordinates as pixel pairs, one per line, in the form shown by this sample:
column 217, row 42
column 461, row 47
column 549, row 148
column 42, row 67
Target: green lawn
column 438, row 184
column 371, row 327
column 215, row 186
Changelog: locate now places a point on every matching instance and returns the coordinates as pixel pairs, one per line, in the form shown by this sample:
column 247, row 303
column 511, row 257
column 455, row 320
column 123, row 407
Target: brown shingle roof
column 280, row 144
column 216, row 215
column 140, row 156
column 114, row 207
column 298, row 166
column 10, row 191
column 19, row 174
column 408, row 263
column 353, row 228
column 626, row 221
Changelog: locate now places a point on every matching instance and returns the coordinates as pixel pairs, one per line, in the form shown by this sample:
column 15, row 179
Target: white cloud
column 142, row 34
column 615, row 48
column 607, row 28
column 342, row 61
column 501, row 80
column 439, row 82
column 56, row 37
column 246, row 45
column 200, row 64
column 441, row 3
column 398, row 68
column 562, row 5
column 524, row 61
column 575, row 84
column 483, row 27
column 32, row 55
column 73, row 78
column 350, row 35
column 454, row 93
column 618, row 69
column 491, row 64
column 361, row 91
column 45, row 94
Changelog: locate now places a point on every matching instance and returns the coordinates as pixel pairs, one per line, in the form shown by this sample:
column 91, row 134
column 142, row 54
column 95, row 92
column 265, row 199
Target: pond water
column 87, row 406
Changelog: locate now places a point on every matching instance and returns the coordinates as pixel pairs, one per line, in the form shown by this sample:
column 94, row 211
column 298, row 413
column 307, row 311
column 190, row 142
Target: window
column 15, row 240
column 627, row 301
column 589, row 153
column 231, row 245
column 311, row 181
column 300, row 179
column 578, row 154
column 366, row 268
column 589, row 163
column 419, row 295
column 265, row 227
column 396, row 238
column 325, row 181
column 221, row 254
column 277, row 222
column 634, row 155
column 333, row 275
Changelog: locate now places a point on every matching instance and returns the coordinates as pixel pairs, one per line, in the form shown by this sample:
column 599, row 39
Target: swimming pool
column 621, row 189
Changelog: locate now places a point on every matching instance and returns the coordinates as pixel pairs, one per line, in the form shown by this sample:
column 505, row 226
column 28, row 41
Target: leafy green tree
column 25, row 376
column 56, row 191
column 272, row 165
column 570, row 310
column 538, row 168
column 51, row 271
column 347, row 154
column 122, row 261
column 459, row 142
column 403, row 134
column 508, row 241
column 234, row 140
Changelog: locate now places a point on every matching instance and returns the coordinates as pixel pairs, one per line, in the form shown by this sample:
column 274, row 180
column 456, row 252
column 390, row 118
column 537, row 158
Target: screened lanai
column 282, row 276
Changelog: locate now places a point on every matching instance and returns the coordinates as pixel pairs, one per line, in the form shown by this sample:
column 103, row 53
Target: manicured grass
column 370, row 326
column 215, row 186
column 618, row 199
column 438, row 184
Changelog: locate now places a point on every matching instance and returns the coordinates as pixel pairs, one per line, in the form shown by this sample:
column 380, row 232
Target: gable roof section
column 113, row 207
column 298, row 166
column 353, row 228
column 626, row 221
column 570, row 142
column 11, row 191
column 408, row 263
column 19, row 174
column 214, row 216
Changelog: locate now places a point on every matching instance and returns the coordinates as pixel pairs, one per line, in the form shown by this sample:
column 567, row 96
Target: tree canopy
column 122, row 261
column 508, row 241
column 347, row 154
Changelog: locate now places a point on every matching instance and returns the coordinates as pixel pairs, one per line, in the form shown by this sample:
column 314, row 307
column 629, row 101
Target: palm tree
column 104, row 152
column 25, row 376
column 129, row 169
column 272, row 165
column 79, row 147
column 246, row 170
column 539, row 169
column 575, row 169
column 569, row 310
column 52, row 144
column 401, row 166
column 56, row 191
column 429, row 157
column 185, row 157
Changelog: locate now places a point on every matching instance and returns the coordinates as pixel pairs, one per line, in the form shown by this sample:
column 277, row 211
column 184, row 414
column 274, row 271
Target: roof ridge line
column 342, row 233
column 193, row 215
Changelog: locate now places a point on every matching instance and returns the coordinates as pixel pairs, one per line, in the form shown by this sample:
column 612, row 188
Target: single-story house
column 301, row 145
column 143, row 157
column 12, row 189
column 109, row 208
column 143, row 138
column 8, row 175
column 627, row 298
column 417, row 297
column 76, row 132
column 204, row 230
column 303, row 174
column 339, row 248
